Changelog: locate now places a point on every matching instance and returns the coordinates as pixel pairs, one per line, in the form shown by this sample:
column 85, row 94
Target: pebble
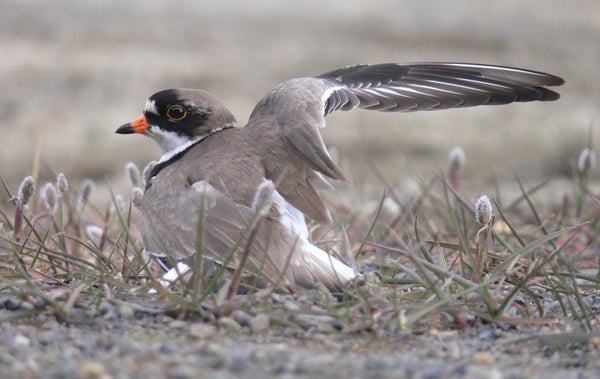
column 375, row 364
column 127, row 346
column 108, row 311
column 486, row 333
column 12, row 304
column 21, row 341
column 184, row 372
column 260, row 323
column 547, row 351
column 432, row 371
column 483, row 357
column 39, row 303
column 592, row 300
column 77, row 314
column 239, row 364
column 291, row 306
column 167, row 347
column 50, row 336
column 278, row 298
column 228, row 323
column 125, row 311
column 482, row 372
column 177, row 324
column 241, row 317
column 203, row 331
column 93, row 370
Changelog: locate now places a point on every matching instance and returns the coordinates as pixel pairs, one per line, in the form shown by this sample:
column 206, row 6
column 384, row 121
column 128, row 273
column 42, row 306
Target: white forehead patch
column 150, row 107
column 189, row 103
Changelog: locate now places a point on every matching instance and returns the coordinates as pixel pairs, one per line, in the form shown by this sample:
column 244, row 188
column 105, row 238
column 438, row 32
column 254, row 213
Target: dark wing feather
column 430, row 86
column 296, row 109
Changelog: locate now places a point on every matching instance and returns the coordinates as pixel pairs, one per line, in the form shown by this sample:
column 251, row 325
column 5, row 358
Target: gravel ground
column 120, row 341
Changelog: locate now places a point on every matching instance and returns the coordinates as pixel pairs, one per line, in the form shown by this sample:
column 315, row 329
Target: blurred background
column 71, row 72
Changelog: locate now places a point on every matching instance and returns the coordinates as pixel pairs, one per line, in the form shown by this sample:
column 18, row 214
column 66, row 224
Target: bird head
column 177, row 117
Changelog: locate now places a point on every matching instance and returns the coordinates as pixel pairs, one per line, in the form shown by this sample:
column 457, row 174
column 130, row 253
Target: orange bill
column 139, row 125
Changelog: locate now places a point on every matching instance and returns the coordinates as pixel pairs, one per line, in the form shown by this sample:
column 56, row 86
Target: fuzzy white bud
column 26, row 190
column 457, row 164
column 587, row 160
column 137, row 198
column 85, row 191
column 94, row 233
column 147, row 170
column 133, row 173
column 264, row 197
column 50, row 197
column 62, row 185
column 457, row 159
column 483, row 210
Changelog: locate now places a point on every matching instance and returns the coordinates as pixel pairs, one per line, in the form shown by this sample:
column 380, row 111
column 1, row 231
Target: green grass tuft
column 421, row 256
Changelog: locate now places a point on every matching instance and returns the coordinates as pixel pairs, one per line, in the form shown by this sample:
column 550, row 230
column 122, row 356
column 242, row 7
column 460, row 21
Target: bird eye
column 176, row 112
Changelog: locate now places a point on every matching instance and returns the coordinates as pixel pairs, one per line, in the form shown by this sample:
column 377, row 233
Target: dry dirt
column 120, row 339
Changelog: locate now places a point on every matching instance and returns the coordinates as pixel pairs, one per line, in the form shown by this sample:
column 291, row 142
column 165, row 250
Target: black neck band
column 158, row 168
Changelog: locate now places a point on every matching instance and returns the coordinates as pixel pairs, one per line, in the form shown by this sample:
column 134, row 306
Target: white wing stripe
column 436, row 89
column 481, row 66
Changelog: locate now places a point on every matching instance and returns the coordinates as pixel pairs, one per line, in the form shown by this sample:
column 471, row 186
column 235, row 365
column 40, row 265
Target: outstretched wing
column 297, row 107
column 432, row 86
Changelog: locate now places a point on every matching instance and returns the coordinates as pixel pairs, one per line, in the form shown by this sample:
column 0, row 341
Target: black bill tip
column 125, row 129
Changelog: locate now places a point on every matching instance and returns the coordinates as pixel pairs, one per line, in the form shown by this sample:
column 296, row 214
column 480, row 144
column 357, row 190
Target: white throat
column 170, row 143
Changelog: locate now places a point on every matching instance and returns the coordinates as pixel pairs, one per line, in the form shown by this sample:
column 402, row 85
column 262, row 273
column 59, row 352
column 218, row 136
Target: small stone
column 203, row 331
column 93, row 370
column 375, row 364
column 482, row 372
column 127, row 347
column 126, row 312
column 239, row 364
column 12, row 304
column 483, row 357
column 228, row 323
column 26, row 306
column 78, row 314
column 278, row 298
column 486, row 333
column 167, row 320
column 547, row 351
column 241, row 317
column 260, row 323
column 595, row 342
column 291, row 306
column 39, row 303
column 183, row 372
column 49, row 337
column 108, row 311
column 177, row 324
column 21, row 341
column 168, row 347
column 32, row 365
column 52, row 325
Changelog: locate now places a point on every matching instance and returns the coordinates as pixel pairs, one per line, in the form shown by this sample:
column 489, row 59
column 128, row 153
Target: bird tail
column 313, row 265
